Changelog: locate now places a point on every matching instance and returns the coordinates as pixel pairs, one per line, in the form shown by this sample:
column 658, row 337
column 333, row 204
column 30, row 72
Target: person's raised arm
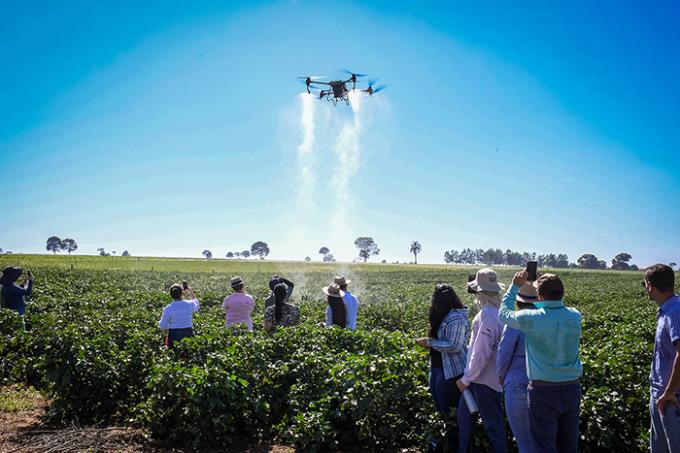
column 193, row 299
column 520, row 320
column 289, row 286
column 27, row 289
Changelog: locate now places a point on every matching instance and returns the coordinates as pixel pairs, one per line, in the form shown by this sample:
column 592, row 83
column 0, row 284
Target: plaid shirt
column 452, row 342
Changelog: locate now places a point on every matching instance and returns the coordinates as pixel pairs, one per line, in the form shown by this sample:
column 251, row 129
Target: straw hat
column 237, row 281
column 333, row 290
column 527, row 294
column 340, row 280
column 486, row 280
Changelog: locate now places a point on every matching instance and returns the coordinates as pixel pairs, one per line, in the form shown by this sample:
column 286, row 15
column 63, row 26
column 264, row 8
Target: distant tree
column 69, row 245
column 207, row 254
column 113, row 252
column 367, row 247
column 260, row 249
column 102, row 252
column 230, row 255
column 588, row 261
column 125, row 253
column 8, row 252
column 237, row 255
column 324, row 251
column 562, row 261
column 307, row 259
column 328, row 258
column 54, row 244
column 601, row 264
column 384, row 261
column 245, row 254
column 672, row 265
column 633, row 267
column 620, row 261
column 0, row 250
column 448, row 257
column 415, row 249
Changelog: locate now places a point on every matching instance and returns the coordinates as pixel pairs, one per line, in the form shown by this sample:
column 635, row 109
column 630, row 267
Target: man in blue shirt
column 553, row 334
column 351, row 304
column 664, row 378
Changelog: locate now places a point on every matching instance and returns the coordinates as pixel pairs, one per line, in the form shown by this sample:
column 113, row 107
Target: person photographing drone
column 178, row 316
column 552, row 334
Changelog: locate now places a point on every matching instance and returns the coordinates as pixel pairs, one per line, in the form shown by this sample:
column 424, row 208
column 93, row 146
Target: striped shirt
column 667, row 333
column 453, row 333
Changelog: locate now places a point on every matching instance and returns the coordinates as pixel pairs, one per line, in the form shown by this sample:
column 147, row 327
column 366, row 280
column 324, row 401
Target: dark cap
column 550, row 287
column 10, row 275
column 273, row 282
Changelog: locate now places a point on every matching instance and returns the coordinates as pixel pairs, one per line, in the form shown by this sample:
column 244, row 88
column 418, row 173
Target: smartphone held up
column 532, row 267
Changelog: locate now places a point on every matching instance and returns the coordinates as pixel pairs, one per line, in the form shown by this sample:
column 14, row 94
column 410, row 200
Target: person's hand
column 667, row 399
column 461, row 385
column 520, row 278
column 423, row 342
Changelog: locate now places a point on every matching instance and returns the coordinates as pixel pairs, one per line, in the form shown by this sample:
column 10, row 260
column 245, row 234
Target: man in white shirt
column 177, row 316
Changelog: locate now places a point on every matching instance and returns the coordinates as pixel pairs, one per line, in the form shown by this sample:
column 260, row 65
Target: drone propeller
column 347, row 71
column 380, row 88
column 372, row 82
column 311, row 77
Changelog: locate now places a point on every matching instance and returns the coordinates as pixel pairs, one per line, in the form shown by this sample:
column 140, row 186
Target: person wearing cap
column 13, row 296
column 275, row 280
column 552, row 335
column 177, row 316
column 447, row 344
column 350, row 301
column 238, row 306
column 281, row 313
column 664, row 377
column 480, row 371
column 512, row 373
column 336, row 311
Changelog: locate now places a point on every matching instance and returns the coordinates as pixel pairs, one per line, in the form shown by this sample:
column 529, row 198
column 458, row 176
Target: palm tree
column 415, row 249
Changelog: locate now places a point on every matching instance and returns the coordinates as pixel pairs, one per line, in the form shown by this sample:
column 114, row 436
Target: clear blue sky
column 169, row 127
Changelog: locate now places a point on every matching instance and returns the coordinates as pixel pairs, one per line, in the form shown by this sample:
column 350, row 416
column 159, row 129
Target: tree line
column 491, row 257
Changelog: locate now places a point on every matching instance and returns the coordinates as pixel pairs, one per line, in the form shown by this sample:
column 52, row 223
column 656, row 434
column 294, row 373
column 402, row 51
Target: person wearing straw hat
column 512, row 373
column 553, row 335
column 178, row 316
column 13, row 296
column 480, row 370
column 336, row 311
column 350, row 300
column 238, row 307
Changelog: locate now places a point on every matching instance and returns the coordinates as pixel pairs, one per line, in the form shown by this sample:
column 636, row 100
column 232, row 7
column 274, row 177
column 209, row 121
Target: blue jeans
column 517, row 410
column 445, row 393
column 665, row 430
column 490, row 407
column 553, row 417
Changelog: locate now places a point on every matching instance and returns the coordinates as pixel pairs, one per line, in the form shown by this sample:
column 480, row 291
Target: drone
column 338, row 89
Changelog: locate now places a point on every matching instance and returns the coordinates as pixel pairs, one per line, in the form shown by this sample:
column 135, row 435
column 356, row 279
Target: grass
column 18, row 398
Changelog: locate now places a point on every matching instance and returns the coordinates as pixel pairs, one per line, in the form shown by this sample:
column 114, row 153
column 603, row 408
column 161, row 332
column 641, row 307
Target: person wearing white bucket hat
column 512, row 373
column 480, row 370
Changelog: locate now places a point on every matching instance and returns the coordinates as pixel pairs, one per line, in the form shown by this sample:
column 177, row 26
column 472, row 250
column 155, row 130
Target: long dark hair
column 338, row 310
column 444, row 299
column 279, row 300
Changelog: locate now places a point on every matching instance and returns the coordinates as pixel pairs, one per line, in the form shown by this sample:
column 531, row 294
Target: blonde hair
column 485, row 298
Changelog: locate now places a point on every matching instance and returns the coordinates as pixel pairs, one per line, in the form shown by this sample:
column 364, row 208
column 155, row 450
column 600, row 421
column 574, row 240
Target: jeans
column 445, row 393
column 490, row 407
column 665, row 428
column 517, row 411
column 553, row 417
column 177, row 335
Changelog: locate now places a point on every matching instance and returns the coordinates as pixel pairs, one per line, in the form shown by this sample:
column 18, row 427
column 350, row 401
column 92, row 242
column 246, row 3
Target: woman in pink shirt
column 239, row 306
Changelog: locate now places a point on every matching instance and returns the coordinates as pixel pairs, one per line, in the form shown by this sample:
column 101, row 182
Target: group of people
column 177, row 317
column 520, row 352
column 523, row 355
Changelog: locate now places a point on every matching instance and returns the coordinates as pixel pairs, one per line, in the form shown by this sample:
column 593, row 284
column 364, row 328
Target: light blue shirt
column 511, row 363
column 667, row 333
column 553, row 335
column 352, row 307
